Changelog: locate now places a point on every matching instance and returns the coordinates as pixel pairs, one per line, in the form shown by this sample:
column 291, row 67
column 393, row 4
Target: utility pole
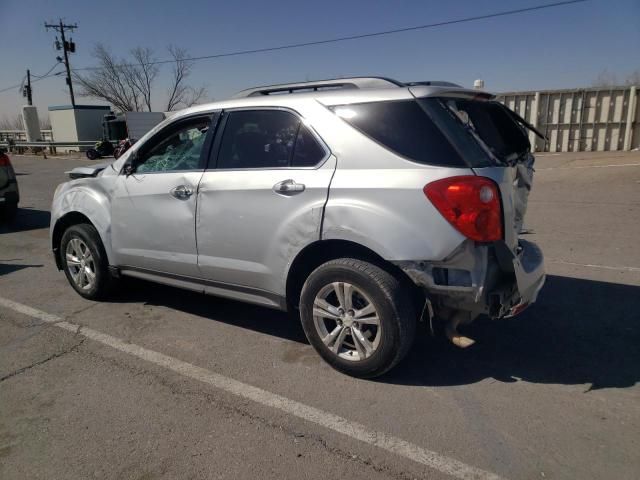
column 26, row 91
column 67, row 47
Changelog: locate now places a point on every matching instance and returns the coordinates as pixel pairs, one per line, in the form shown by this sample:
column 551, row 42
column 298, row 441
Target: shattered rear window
column 492, row 124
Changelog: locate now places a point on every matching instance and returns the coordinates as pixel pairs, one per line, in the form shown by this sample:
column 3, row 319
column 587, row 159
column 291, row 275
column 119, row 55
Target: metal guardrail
column 51, row 146
column 48, row 144
column 21, row 135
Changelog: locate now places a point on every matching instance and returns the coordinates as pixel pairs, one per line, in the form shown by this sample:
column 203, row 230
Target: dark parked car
column 9, row 194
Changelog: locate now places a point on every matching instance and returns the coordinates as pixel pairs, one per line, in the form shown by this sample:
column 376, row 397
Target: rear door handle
column 288, row 187
column 181, row 192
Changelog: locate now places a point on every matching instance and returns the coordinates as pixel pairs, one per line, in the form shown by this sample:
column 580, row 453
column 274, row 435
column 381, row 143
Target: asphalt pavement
column 164, row 383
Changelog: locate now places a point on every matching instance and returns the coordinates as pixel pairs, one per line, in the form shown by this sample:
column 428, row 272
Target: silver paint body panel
column 247, row 233
column 152, row 229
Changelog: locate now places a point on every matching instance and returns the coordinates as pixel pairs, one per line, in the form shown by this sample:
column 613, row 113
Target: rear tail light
column 471, row 204
column 4, row 160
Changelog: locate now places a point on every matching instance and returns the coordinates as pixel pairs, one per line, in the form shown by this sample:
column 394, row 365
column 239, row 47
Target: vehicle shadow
column 580, row 332
column 27, row 219
column 243, row 315
column 6, row 268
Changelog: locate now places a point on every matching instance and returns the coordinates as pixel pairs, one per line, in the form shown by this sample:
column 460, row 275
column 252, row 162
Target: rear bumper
column 527, row 266
column 491, row 280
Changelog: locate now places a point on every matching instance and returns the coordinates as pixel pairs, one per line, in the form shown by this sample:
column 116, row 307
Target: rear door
column 261, row 199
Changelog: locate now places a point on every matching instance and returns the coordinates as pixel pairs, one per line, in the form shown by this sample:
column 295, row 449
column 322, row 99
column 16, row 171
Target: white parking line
column 589, row 265
column 357, row 431
column 590, row 166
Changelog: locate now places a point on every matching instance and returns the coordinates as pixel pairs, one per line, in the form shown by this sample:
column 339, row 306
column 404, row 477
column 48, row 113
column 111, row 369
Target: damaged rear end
column 493, row 271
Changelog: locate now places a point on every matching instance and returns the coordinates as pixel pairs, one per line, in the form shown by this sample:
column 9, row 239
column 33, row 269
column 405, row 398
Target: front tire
column 85, row 262
column 357, row 316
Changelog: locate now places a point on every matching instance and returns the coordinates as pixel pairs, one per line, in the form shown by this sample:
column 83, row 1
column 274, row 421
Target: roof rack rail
column 336, row 83
column 433, row 83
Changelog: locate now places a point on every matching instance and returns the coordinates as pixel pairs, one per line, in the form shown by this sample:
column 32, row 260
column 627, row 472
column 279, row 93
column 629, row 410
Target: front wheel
column 357, row 316
column 85, row 262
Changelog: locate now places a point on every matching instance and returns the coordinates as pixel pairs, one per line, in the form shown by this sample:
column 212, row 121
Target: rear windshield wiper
column 524, row 123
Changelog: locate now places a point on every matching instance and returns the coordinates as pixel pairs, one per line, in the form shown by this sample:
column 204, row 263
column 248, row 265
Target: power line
column 17, row 86
column 20, row 85
column 339, row 39
column 350, row 37
column 46, row 74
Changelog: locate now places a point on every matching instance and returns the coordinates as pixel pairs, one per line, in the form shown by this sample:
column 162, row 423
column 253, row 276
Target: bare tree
column 195, row 96
column 110, row 81
column 605, row 79
column 13, row 122
column 128, row 84
column 633, row 78
column 609, row 79
column 180, row 94
column 143, row 73
column 181, row 69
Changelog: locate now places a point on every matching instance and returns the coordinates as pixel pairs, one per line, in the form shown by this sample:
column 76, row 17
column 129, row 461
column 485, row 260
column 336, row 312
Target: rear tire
column 349, row 295
column 85, row 263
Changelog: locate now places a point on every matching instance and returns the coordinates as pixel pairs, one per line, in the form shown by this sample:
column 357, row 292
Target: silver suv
column 364, row 204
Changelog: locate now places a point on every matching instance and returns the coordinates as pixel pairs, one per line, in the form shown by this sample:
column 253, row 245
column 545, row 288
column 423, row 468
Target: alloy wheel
column 347, row 321
column 80, row 264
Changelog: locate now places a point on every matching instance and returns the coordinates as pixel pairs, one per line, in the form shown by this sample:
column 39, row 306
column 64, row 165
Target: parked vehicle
column 9, row 193
column 364, row 204
column 123, row 146
column 103, row 148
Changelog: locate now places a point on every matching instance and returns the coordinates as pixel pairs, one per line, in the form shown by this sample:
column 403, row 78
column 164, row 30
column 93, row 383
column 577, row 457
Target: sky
column 563, row 47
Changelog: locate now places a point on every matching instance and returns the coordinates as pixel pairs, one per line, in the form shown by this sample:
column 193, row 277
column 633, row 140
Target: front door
column 263, row 200
column 154, row 205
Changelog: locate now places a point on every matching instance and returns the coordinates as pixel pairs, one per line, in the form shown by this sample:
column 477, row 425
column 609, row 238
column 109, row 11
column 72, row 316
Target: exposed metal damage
column 478, row 280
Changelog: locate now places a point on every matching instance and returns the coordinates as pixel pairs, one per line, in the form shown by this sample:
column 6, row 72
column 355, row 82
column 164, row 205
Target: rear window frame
column 477, row 137
column 464, row 161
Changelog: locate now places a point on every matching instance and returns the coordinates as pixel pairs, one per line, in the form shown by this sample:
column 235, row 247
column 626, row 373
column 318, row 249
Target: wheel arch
column 61, row 225
column 321, row 251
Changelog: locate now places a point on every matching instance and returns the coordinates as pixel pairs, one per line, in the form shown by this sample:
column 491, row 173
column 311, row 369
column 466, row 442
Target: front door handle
column 181, row 192
column 288, row 187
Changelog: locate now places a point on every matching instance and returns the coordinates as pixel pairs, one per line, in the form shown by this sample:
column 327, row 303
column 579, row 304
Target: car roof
column 366, row 89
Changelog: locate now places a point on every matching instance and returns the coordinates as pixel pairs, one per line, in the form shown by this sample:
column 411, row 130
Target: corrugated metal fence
column 580, row 120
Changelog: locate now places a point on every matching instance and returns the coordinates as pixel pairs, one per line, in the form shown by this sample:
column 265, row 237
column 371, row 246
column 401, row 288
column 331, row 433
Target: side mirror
column 131, row 165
